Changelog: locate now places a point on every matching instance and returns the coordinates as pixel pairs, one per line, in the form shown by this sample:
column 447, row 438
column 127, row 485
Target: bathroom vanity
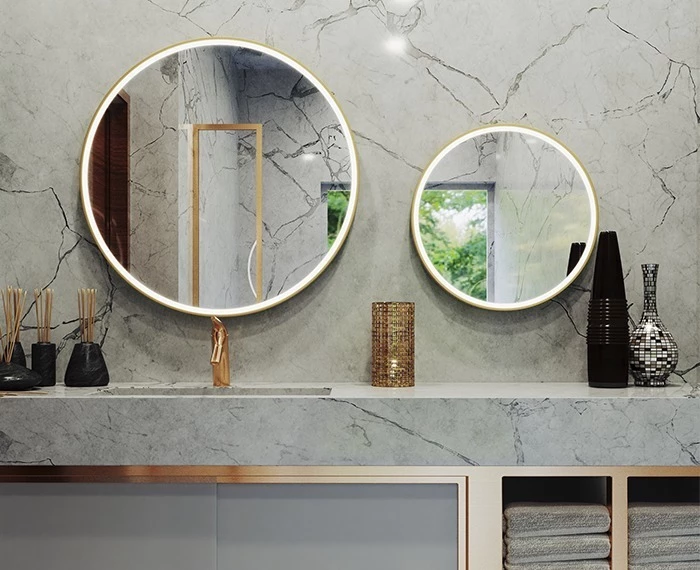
column 449, row 454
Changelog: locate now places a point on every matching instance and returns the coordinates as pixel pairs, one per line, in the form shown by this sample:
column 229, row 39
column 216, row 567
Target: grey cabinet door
column 337, row 526
column 67, row 526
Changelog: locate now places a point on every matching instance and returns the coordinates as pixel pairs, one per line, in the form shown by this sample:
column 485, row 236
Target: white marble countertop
column 431, row 424
column 469, row 390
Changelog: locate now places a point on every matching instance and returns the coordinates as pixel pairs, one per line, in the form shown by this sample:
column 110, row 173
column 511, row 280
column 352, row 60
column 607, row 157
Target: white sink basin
column 213, row 391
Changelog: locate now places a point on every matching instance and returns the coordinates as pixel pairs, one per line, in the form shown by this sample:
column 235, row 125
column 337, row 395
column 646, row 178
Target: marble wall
column 616, row 83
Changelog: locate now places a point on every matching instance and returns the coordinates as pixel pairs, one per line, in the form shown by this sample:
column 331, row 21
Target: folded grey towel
column 663, row 519
column 665, row 566
column 653, row 549
column 576, row 565
column 555, row 519
column 557, row 548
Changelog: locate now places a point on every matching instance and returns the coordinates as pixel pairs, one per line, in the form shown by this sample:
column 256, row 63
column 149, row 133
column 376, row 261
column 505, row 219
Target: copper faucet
column 219, row 353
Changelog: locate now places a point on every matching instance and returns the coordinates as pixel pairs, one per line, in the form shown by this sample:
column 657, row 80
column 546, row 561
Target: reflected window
column 336, row 196
column 456, row 226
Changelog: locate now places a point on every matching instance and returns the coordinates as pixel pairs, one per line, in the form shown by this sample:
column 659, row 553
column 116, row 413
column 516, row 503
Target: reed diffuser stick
column 13, row 304
column 43, row 303
column 93, row 307
column 86, row 309
column 39, row 316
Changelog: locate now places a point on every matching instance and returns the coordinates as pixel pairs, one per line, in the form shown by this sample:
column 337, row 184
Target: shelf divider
column 485, row 518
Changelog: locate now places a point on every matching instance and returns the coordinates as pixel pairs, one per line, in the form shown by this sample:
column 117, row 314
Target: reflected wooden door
column 109, row 178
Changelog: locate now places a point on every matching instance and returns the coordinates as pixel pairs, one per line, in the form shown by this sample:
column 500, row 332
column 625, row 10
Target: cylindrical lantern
column 393, row 344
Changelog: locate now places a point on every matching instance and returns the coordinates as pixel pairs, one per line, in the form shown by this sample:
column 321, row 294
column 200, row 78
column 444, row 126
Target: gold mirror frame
column 590, row 241
column 85, row 181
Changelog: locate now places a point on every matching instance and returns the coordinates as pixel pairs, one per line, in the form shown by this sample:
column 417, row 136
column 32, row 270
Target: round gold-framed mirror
column 219, row 177
column 505, row 217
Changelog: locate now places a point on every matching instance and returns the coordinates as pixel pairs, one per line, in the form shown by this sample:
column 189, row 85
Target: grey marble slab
column 467, row 424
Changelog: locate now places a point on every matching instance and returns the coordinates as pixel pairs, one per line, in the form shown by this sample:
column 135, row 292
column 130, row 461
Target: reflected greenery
column 338, row 200
column 453, row 230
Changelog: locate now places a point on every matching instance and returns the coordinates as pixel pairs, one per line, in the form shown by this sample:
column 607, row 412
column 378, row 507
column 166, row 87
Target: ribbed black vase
column 86, row 366
column 608, row 328
column 44, row 362
column 18, row 356
column 14, row 377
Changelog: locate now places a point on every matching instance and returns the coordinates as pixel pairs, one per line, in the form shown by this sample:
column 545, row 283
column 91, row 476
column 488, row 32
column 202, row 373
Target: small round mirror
column 219, row 177
column 505, row 218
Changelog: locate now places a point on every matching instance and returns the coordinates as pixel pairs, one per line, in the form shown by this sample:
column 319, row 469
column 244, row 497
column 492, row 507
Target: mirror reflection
column 496, row 215
column 221, row 176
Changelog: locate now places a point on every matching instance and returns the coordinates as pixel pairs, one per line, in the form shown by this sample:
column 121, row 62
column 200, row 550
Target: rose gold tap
column 219, row 353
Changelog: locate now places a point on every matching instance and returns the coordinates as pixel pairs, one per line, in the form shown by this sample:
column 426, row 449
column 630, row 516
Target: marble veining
column 618, row 84
column 478, row 424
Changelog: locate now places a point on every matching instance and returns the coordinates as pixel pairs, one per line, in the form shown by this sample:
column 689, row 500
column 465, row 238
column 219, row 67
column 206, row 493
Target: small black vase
column 18, row 356
column 14, row 377
column 575, row 253
column 86, row 366
column 44, row 362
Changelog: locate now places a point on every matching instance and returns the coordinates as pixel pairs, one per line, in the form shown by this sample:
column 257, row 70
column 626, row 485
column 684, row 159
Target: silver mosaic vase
column 653, row 352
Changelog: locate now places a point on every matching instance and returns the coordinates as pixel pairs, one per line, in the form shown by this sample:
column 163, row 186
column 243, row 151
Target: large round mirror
column 219, row 177
column 504, row 218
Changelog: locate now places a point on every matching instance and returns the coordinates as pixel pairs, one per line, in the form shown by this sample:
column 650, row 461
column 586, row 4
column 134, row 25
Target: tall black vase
column 86, row 366
column 44, row 362
column 608, row 329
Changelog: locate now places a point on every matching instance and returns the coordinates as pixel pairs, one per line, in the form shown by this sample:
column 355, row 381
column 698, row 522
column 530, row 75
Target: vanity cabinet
column 307, row 517
column 348, row 523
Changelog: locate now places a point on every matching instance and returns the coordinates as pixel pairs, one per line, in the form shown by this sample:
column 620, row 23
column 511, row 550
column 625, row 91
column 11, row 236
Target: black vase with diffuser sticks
column 43, row 350
column 608, row 334
column 13, row 376
column 86, row 366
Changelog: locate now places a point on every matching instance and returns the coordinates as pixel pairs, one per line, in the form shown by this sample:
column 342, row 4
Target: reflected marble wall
column 541, row 207
column 618, row 84
column 153, row 124
column 207, row 95
column 303, row 146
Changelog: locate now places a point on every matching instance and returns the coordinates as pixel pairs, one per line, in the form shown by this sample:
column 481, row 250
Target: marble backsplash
column 616, row 83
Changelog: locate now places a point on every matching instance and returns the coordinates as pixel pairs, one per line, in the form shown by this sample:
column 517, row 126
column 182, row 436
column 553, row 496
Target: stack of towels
column 556, row 536
column 664, row 536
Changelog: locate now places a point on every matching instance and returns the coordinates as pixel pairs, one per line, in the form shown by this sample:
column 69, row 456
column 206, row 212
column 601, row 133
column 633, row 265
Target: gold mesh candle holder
column 393, row 344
